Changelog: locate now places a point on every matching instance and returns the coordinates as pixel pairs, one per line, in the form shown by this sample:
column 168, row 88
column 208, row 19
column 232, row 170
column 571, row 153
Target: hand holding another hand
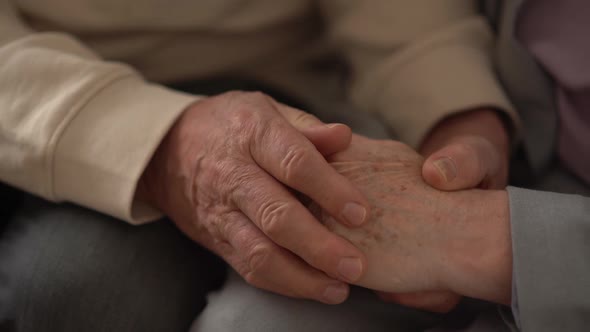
column 225, row 174
column 421, row 241
column 467, row 150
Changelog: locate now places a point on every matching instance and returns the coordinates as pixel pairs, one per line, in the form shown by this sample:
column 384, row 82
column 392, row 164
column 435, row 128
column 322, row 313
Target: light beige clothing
column 80, row 120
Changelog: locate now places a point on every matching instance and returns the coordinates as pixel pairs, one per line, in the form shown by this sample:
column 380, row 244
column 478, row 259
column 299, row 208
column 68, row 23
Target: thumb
column 462, row 164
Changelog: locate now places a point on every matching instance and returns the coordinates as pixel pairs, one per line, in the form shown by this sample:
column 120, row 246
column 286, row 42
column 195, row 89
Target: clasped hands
column 304, row 209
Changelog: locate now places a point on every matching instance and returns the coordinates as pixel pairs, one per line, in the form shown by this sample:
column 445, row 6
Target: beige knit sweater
column 82, row 111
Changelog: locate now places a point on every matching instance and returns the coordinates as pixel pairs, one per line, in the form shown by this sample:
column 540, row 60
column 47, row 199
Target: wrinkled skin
column 401, row 237
column 467, row 150
column 226, row 173
column 420, row 242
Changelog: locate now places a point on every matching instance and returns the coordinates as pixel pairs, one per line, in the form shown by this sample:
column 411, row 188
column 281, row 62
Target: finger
column 462, row 165
column 434, row 301
column 281, row 217
column 296, row 117
column 289, row 157
column 265, row 265
column 327, row 138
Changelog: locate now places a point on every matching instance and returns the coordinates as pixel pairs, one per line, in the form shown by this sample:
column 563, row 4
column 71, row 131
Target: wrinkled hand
column 468, row 150
column 402, row 237
column 224, row 175
column 417, row 234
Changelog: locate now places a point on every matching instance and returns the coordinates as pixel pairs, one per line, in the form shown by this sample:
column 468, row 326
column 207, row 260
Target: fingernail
column 350, row 268
column 354, row 213
column 446, row 167
column 335, row 294
column 332, row 125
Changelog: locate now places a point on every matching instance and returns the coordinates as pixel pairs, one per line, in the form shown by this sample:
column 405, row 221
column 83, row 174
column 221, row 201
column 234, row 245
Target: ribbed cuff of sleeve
column 105, row 148
column 438, row 78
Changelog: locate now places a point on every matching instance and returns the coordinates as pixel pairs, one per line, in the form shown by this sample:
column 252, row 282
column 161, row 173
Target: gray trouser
column 65, row 268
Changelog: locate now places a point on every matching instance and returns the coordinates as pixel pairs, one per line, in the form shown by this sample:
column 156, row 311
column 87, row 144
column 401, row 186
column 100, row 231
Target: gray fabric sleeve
column 551, row 259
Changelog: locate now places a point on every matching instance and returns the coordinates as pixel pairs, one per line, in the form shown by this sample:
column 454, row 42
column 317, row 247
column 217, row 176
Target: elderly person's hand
column 467, row 150
column 225, row 174
column 420, row 239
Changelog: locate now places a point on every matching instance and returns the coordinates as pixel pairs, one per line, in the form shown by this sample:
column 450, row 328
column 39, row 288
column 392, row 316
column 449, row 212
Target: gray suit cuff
column 551, row 263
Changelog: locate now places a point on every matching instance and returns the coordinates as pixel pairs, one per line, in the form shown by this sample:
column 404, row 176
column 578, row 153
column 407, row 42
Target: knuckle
column 239, row 180
column 255, row 98
column 247, row 128
column 241, row 94
column 256, row 95
column 243, row 116
column 234, row 94
column 472, row 163
column 246, row 107
column 219, row 171
column 317, row 254
column 227, row 179
column 293, row 163
column 252, row 119
column 258, row 262
column 241, row 125
column 301, row 117
column 272, row 217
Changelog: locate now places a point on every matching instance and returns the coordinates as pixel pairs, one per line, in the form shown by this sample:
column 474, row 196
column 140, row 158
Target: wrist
column 478, row 256
column 163, row 183
column 147, row 183
column 152, row 186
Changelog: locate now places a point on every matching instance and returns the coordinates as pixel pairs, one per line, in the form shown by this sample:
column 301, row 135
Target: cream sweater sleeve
column 415, row 62
column 74, row 127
